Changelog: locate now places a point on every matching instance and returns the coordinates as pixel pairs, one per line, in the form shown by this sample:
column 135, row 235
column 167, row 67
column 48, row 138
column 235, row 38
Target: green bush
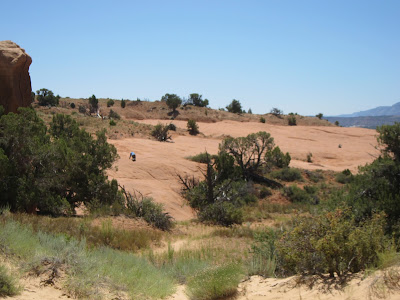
column 344, row 177
column 150, row 211
column 309, row 157
column 287, row 174
column 110, row 103
column 292, row 121
column 235, row 107
column 276, row 158
column 192, row 127
column 160, row 132
column 219, row 282
column 202, row 158
column 298, row 195
column 262, row 119
column 8, row 284
column 72, row 105
column 112, row 122
column 114, row 115
column 331, row 243
column 314, row 176
column 172, row 127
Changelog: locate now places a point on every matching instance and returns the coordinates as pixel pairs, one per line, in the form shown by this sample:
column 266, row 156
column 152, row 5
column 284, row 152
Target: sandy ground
column 155, row 172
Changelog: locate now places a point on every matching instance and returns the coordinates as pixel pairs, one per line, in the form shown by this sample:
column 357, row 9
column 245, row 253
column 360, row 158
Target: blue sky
column 305, row 56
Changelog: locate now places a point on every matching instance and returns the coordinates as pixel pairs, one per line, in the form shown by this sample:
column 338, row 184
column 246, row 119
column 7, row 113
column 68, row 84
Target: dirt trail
column 154, row 172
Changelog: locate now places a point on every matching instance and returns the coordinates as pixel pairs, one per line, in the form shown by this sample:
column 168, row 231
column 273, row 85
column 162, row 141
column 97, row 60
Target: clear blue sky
column 305, row 56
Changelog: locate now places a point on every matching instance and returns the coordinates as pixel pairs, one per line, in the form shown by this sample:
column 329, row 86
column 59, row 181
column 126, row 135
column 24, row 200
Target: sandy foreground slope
column 155, row 172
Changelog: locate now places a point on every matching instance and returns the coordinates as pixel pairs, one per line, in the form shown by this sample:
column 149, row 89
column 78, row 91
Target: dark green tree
column 46, row 97
column 123, row 103
column 94, row 104
column 197, row 100
column 234, row 107
column 319, row 116
column 172, row 101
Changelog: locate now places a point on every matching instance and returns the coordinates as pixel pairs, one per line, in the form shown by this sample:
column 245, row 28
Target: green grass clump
column 298, row 195
column 215, row 283
column 104, row 235
column 8, row 283
column 202, row 158
column 288, row 174
column 86, row 269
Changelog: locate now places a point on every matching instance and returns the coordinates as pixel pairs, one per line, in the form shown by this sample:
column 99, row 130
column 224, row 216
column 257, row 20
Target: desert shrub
column 123, row 103
column 8, row 283
column 319, row 116
column 114, row 115
column 202, row 158
column 46, row 97
column 298, row 195
column 265, row 192
column 110, row 103
column 309, row 157
column 235, row 107
column 219, row 282
column 112, row 122
column 82, row 109
column 192, row 127
column 263, row 260
column 172, row 127
column 337, row 123
column 262, row 119
column 331, row 243
column 72, row 105
column 276, row 112
column 276, row 158
column 314, row 176
column 222, row 213
column 344, row 177
column 160, row 132
column 287, row 174
column 292, row 121
column 150, row 211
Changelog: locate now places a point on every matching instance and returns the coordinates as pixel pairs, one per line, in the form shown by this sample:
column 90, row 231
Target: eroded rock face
column 15, row 82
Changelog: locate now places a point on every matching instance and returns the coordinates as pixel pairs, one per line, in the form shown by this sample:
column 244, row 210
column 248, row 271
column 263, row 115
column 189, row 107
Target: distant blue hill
column 393, row 110
column 382, row 115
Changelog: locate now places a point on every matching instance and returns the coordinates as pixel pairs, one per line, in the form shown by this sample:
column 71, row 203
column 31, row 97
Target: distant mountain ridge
column 393, row 110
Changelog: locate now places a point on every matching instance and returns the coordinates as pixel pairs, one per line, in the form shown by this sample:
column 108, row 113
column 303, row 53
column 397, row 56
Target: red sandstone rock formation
column 15, row 82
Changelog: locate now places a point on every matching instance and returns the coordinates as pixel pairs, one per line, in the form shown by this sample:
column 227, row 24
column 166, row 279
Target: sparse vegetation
column 309, row 157
column 8, row 283
column 114, row 115
column 292, row 121
column 235, row 107
column 287, row 174
column 262, row 119
column 46, row 97
column 160, row 132
column 276, row 112
column 110, row 103
column 319, row 116
column 192, row 127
